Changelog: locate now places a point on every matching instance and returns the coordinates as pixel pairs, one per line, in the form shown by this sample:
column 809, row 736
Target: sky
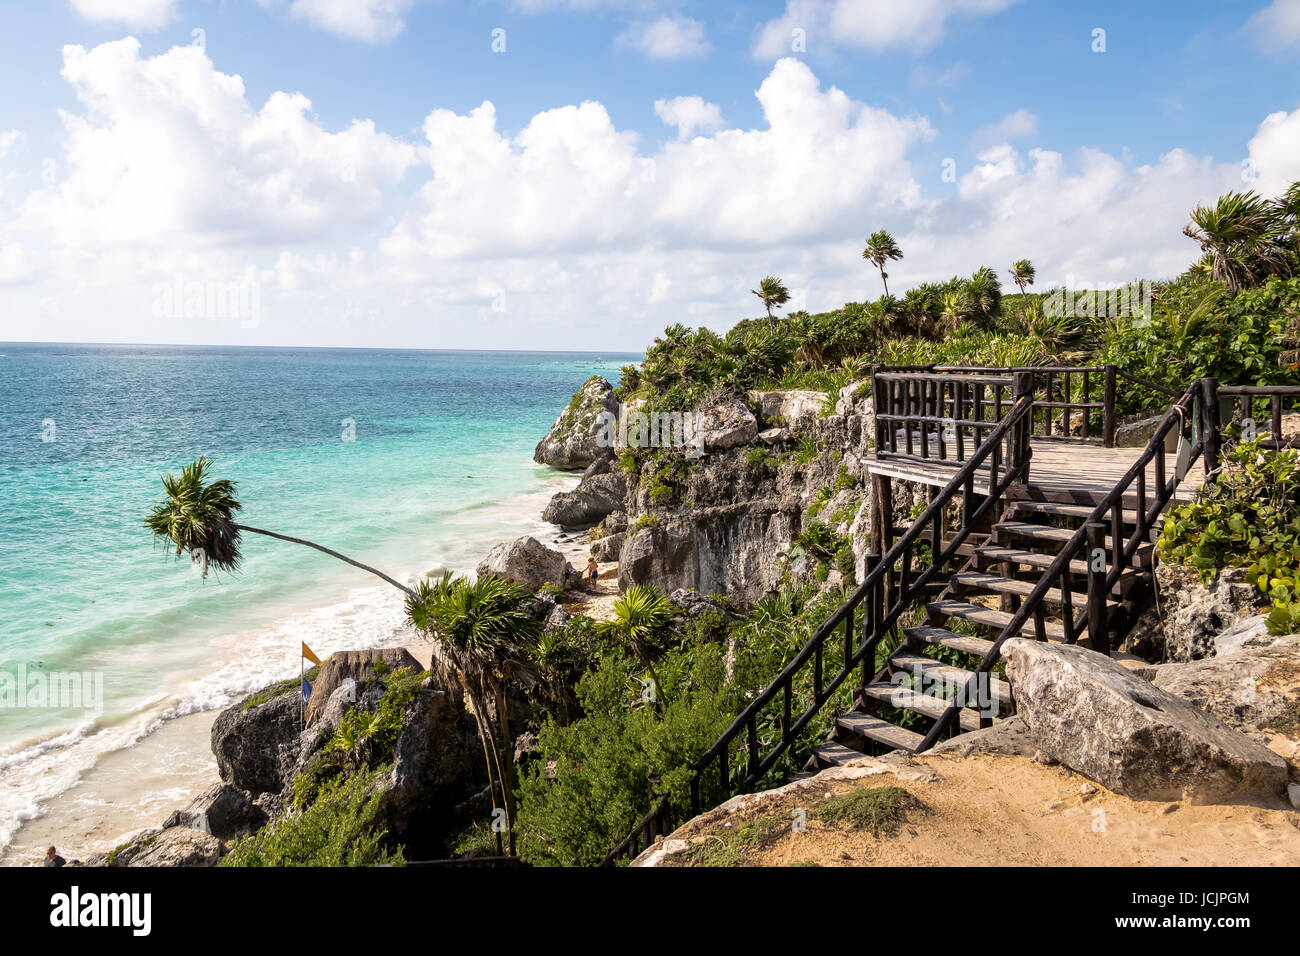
column 578, row 174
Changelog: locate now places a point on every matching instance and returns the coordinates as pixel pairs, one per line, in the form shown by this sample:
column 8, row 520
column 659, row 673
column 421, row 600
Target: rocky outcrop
column 222, row 810
column 724, row 523
column 1097, row 718
column 1254, row 687
column 727, row 425
column 176, row 846
column 1188, row 615
column 255, row 741
column 356, row 667
column 526, row 561
column 437, row 764
column 795, row 410
column 581, row 434
column 588, row 504
column 609, row 547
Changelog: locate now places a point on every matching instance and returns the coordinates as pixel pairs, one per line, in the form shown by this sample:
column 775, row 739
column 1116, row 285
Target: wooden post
column 1022, row 386
column 1108, row 409
column 1098, row 636
column 1213, row 437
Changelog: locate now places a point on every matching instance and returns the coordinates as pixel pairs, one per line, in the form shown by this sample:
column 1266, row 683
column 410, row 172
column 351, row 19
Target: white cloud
column 374, row 21
column 668, row 38
column 10, row 140
column 690, row 114
column 568, row 232
column 1275, row 153
column 136, row 14
column 1013, row 126
column 866, row 24
column 1277, row 26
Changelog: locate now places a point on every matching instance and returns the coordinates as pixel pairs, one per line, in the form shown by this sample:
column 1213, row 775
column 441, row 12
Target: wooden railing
column 943, row 417
column 893, row 584
column 1235, row 418
column 943, row 399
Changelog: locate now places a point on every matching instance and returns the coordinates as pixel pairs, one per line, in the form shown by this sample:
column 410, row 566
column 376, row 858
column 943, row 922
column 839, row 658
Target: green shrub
column 337, row 830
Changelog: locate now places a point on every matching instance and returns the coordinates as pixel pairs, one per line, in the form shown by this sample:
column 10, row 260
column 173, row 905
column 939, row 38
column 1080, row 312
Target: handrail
column 876, row 622
column 1090, row 534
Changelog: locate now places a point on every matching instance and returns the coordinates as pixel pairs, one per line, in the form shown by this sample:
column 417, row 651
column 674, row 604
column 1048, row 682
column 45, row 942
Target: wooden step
column 942, row 637
column 998, row 620
column 881, row 731
column 905, row 698
column 995, row 554
column 993, row 582
column 1042, row 532
column 834, row 754
column 909, row 663
column 1072, row 511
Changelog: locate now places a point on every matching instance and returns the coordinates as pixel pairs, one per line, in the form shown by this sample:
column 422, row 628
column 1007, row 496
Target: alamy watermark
column 193, row 299
column 639, row 429
column 53, row 690
column 1131, row 300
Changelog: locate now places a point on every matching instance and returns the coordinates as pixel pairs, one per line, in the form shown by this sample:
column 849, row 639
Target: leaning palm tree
column 485, row 638
column 1244, row 239
column 1022, row 274
column 198, row 517
column 881, row 248
column 641, row 613
column 771, row 292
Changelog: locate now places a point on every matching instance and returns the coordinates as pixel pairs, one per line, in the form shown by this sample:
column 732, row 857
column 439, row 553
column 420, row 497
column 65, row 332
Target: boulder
column 356, row 666
column 601, row 466
column 727, row 425
column 1254, row 689
column 774, row 436
column 615, row 522
column 694, row 603
column 1097, row 718
column 796, row 410
column 255, row 740
column 608, row 547
column 526, row 561
column 1251, row 630
column 222, row 810
column 589, row 503
column 583, row 432
column 174, row 846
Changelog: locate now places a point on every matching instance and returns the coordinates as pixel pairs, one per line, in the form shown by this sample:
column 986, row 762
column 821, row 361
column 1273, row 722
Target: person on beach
column 52, row 858
column 593, row 570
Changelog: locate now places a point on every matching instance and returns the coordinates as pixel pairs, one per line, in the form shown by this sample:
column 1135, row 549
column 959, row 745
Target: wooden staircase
column 937, row 660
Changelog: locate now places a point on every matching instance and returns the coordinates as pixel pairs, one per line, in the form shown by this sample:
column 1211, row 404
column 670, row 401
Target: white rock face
column 526, row 561
column 799, row 409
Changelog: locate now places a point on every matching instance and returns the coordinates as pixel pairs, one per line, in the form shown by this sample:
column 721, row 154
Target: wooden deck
column 1057, row 467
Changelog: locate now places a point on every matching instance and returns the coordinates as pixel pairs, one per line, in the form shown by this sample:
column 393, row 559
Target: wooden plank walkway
column 1056, row 467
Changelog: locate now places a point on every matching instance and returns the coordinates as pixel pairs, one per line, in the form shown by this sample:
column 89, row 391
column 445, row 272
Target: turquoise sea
column 411, row 461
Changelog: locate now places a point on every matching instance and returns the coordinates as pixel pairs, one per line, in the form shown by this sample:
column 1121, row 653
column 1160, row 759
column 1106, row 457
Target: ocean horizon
column 411, row 460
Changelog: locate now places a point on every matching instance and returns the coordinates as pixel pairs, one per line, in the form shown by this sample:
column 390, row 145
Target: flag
column 308, row 653
column 306, row 690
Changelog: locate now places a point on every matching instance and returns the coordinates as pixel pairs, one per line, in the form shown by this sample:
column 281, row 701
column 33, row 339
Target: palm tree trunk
column 884, row 279
column 330, row 552
column 510, row 762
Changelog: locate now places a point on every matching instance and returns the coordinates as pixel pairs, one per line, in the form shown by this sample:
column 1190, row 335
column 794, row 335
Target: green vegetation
column 878, row 809
column 338, row 829
column 1247, row 516
column 275, row 690
column 728, row 847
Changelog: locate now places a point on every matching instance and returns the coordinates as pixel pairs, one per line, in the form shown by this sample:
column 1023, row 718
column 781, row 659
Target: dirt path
column 994, row 811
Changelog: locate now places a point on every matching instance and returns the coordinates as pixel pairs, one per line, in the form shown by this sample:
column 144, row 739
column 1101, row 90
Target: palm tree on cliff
column 485, row 637
column 881, row 248
column 1022, row 274
column 198, row 517
column 772, row 292
column 641, row 613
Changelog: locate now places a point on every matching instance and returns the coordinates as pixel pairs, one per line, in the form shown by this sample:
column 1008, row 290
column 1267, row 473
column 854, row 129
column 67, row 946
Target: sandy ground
column 127, row 791
column 594, row 599
column 1012, row 811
